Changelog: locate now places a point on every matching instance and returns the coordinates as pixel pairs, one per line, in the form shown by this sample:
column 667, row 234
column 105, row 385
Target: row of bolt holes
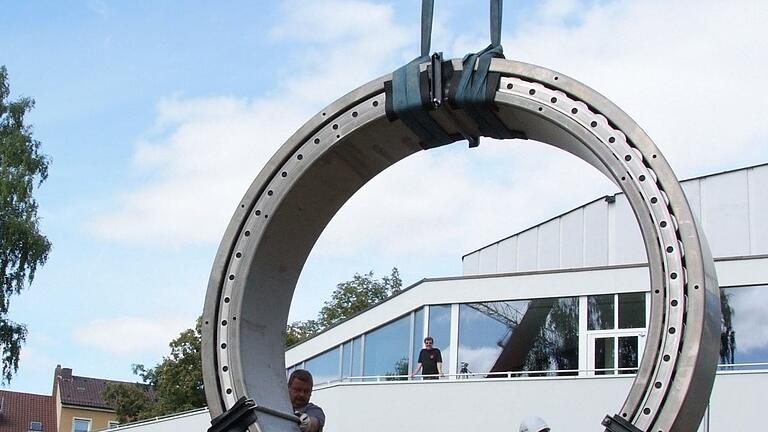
column 627, row 158
column 258, row 213
column 663, row 224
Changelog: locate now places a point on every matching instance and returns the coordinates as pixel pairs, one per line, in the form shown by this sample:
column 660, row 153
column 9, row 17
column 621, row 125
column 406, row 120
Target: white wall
column 567, row 404
column 731, row 207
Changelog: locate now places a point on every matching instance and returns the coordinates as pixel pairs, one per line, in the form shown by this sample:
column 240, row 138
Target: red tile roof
column 19, row 409
column 81, row 391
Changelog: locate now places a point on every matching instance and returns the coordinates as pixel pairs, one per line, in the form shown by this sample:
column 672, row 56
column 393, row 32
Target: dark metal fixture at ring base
column 338, row 150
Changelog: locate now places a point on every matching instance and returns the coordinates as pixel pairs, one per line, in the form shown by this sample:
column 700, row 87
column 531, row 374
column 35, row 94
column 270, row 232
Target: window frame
column 85, row 419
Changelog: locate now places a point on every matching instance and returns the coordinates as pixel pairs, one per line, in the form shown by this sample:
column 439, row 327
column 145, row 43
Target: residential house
column 26, row 412
column 78, row 402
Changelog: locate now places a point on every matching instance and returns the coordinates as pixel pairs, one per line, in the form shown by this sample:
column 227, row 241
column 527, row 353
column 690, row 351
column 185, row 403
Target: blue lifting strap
column 407, row 101
column 473, row 94
column 411, row 101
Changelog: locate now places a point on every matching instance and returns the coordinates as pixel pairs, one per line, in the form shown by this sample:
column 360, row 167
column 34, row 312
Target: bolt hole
column 335, row 126
column 672, row 330
column 323, row 114
column 223, row 346
column 623, row 179
column 225, row 368
column 509, row 86
column 593, row 124
column 673, row 303
column 354, row 113
column 317, row 141
column 695, row 287
column 375, row 103
column 641, row 178
column 223, row 322
column 574, row 111
column 656, row 291
column 229, row 391
column 270, row 193
column 657, row 385
column 666, row 357
column 556, row 78
column 670, row 249
column 338, row 136
column 663, row 224
column 206, row 323
column 673, row 275
column 654, row 200
column 231, row 277
column 646, row 411
column 242, row 205
column 238, row 255
column 532, row 92
column 247, row 233
column 300, row 157
column 234, row 318
column 627, row 158
column 611, row 140
column 266, row 216
column 553, row 100
column 654, row 156
column 257, row 212
column 284, row 174
column 541, row 109
column 226, row 299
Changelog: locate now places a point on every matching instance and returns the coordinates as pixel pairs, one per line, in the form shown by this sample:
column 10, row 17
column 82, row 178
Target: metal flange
column 338, row 150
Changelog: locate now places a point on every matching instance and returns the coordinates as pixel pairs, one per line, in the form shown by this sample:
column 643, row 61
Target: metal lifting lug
column 618, row 424
column 436, row 78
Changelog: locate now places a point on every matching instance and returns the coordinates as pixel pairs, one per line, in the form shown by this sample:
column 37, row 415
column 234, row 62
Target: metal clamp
column 618, row 424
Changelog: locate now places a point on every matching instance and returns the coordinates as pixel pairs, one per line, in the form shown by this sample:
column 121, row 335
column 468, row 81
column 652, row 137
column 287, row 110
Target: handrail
column 548, row 373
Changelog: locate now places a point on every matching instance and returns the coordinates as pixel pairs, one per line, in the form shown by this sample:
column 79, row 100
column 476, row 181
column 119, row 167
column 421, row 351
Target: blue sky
column 158, row 116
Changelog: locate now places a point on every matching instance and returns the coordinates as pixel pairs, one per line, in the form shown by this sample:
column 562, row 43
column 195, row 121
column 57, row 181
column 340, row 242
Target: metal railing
column 543, row 374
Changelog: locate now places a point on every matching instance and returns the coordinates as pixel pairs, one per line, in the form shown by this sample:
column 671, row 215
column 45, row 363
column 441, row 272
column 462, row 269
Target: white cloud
column 686, row 71
column 131, row 335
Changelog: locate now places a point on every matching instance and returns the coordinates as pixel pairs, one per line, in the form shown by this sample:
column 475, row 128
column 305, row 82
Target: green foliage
column 348, row 299
column 177, row 382
column 22, row 247
column 131, row 401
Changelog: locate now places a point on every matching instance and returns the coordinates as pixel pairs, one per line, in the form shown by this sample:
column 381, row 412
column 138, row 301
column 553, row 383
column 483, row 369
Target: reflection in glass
column 418, row 335
column 743, row 338
column 632, row 310
column 324, row 367
column 346, row 359
column 604, row 361
column 439, row 327
column 357, row 357
column 600, row 312
column 522, row 335
column 628, row 354
column 386, row 349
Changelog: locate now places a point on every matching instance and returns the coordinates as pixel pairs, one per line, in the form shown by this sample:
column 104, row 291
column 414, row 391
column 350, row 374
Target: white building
column 551, row 322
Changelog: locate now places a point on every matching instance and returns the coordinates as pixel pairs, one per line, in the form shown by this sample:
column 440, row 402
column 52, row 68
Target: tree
column 22, row 247
column 348, row 299
column 176, row 382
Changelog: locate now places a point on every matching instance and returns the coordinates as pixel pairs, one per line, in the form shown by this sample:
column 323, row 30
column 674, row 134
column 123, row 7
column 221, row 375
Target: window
column 386, row 349
column 35, row 426
column 81, row 425
column 521, row 335
column 324, row 367
column 440, row 327
column 418, row 335
column 743, row 338
column 602, row 311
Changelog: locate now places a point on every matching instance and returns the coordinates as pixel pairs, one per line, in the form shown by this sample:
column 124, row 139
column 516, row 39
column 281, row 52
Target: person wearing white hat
column 534, row 424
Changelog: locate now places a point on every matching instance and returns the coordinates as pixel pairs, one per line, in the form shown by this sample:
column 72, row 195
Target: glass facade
column 324, row 367
column 744, row 329
column 439, row 329
column 521, row 335
column 418, row 336
column 386, row 349
column 538, row 337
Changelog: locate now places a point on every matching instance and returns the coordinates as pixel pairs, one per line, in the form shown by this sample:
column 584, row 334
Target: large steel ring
column 338, row 150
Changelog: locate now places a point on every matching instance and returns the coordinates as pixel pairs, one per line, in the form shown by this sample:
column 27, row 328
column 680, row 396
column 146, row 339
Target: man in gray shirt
column 311, row 416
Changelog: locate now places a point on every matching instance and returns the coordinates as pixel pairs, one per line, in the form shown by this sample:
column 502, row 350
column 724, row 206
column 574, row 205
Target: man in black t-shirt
column 430, row 360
